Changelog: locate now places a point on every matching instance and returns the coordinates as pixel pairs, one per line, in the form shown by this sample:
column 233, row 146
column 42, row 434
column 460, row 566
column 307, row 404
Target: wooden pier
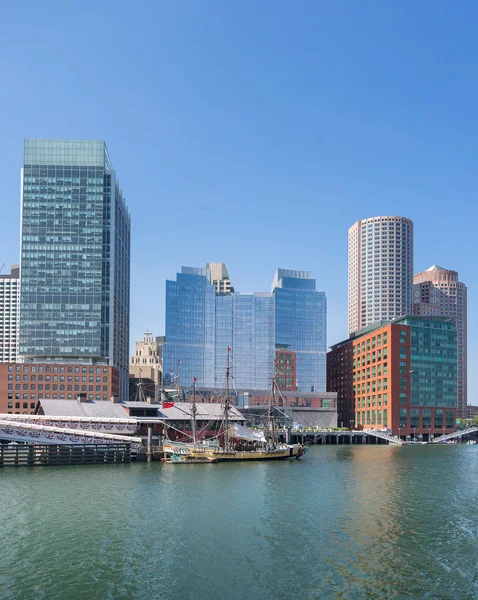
column 30, row 455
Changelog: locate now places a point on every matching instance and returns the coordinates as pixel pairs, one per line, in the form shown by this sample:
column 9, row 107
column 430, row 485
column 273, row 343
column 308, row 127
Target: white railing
column 392, row 439
column 455, row 434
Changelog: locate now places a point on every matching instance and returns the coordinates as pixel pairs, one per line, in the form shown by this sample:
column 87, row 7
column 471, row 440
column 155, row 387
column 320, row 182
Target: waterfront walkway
column 455, row 435
column 344, row 437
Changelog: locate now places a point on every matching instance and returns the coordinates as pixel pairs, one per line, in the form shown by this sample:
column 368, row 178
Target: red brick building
column 22, row 384
column 286, row 370
column 400, row 376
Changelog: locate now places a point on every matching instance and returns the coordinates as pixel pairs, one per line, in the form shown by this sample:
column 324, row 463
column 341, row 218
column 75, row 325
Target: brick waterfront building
column 22, row 385
column 400, row 375
column 286, row 369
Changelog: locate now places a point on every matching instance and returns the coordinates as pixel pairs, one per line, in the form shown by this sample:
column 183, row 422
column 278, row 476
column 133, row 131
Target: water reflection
column 347, row 522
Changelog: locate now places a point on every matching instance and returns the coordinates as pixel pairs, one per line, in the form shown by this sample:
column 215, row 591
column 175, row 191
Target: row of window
column 375, row 371
column 55, row 387
column 76, row 378
column 371, row 343
column 55, row 369
column 375, row 400
column 374, row 356
column 375, row 386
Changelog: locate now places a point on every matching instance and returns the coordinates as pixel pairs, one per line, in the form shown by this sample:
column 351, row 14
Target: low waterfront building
column 400, row 375
column 312, row 409
column 22, row 384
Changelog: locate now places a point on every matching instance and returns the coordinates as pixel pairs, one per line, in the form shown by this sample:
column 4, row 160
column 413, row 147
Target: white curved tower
column 380, row 276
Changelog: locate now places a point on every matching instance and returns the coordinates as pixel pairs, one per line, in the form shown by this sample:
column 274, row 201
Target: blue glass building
column 301, row 326
column 75, row 257
column 189, row 350
column 201, row 324
column 253, row 341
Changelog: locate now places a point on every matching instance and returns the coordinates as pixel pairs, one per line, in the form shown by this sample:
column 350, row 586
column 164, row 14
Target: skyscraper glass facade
column 433, row 361
column 253, row 341
column 301, row 326
column 201, row 325
column 189, row 350
column 75, row 256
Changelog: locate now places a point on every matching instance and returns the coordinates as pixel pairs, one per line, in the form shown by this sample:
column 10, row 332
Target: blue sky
column 256, row 132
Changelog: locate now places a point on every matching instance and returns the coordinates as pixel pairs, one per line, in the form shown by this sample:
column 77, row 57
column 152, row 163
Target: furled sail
column 244, row 433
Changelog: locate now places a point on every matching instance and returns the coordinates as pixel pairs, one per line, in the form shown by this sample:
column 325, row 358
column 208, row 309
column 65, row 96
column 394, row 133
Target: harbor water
column 346, row 522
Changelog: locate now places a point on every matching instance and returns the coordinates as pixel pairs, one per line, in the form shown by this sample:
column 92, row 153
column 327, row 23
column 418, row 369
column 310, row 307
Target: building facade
column 471, row 411
column 206, row 330
column 189, row 349
column 380, row 270
column 220, row 278
column 23, row 385
column 9, row 314
column 286, row 369
column 75, row 257
column 400, row 376
column 301, row 326
column 437, row 291
column 147, row 360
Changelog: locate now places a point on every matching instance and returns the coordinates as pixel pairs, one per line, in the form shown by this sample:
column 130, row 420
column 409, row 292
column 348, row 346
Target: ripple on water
column 351, row 522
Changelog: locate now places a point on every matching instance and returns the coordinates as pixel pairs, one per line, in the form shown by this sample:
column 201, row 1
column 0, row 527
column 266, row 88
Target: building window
column 450, row 419
column 403, row 418
column 403, row 384
column 438, row 418
column 414, row 419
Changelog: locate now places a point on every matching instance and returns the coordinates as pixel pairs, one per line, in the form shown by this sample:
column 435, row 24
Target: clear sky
column 256, row 132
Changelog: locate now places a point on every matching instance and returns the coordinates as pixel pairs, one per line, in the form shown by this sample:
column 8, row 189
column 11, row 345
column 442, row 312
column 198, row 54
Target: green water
column 347, row 522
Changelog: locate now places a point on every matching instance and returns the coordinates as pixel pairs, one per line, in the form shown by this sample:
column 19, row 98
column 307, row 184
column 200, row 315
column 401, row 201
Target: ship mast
column 272, row 420
column 227, row 406
column 194, row 412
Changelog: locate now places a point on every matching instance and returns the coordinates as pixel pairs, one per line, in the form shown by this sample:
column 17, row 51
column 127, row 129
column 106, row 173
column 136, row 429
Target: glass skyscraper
column 189, row 350
column 301, row 326
column 201, row 324
column 75, row 257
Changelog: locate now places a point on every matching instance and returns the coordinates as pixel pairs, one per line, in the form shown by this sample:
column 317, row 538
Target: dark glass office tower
column 75, row 257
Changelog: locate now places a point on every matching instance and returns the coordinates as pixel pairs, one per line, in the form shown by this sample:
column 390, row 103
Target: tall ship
column 235, row 442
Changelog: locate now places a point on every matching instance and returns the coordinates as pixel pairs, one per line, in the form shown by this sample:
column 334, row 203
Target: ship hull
column 251, row 455
column 220, row 455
